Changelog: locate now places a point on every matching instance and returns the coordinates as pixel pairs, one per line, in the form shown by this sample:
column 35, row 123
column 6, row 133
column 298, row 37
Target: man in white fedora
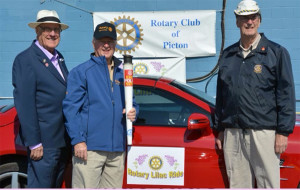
column 255, row 104
column 39, row 78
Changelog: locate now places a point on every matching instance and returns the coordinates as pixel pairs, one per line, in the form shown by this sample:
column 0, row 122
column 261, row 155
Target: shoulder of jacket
column 26, row 55
column 26, row 52
column 232, row 48
column 83, row 67
column 275, row 47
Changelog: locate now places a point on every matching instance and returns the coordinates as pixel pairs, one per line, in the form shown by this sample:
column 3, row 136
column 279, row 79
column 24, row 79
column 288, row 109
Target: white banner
column 163, row 33
column 155, row 166
column 174, row 68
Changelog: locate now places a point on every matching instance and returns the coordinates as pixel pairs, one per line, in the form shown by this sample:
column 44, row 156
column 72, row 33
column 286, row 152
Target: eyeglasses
column 48, row 29
column 110, row 42
column 248, row 17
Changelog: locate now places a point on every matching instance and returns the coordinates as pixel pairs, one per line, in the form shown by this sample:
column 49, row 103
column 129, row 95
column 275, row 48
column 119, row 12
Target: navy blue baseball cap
column 105, row 29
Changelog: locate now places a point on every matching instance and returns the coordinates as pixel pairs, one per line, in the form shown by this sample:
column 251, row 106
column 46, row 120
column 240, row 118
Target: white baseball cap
column 46, row 16
column 247, row 7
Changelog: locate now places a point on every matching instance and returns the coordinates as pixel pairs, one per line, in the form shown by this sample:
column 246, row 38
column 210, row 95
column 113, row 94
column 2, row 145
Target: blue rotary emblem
column 129, row 34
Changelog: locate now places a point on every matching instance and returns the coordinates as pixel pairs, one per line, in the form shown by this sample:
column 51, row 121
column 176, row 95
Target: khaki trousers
column 101, row 170
column 250, row 156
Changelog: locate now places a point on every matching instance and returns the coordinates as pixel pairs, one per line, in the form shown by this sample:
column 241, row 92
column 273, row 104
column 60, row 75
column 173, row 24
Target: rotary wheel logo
column 129, row 34
column 140, row 68
column 155, row 162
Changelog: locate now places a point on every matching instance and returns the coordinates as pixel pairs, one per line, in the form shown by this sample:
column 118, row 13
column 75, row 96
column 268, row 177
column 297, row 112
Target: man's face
column 248, row 24
column 104, row 47
column 48, row 35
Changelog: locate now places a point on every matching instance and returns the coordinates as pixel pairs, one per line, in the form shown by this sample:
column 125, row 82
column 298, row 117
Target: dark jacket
column 38, row 93
column 256, row 92
column 93, row 106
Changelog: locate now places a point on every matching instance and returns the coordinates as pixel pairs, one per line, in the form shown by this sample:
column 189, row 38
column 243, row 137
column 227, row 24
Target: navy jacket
column 38, row 93
column 93, row 106
column 256, row 92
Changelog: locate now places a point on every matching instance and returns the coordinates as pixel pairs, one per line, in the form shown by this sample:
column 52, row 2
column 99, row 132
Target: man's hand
column 281, row 142
column 80, row 150
column 131, row 114
column 37, row 153
column 219, row 140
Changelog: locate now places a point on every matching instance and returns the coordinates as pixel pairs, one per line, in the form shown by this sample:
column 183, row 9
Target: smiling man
column 255, row 104
column 39, row 80
column 94, row 108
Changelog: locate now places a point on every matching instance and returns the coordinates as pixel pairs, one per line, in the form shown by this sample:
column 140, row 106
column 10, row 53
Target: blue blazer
column 38, row 94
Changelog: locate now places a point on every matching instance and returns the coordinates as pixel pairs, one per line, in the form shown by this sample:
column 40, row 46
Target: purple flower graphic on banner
column 140, row 160
column 170, row 160
column 157, row 65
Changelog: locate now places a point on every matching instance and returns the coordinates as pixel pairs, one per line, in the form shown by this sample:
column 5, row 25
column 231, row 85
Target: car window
column 195, row 92
column 162, row 108
column 6, row 107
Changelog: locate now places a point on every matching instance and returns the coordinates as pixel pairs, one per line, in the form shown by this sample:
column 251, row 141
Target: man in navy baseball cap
column 95, row 85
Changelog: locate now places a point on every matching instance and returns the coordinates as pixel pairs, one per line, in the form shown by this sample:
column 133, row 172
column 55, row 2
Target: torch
column 128, row 86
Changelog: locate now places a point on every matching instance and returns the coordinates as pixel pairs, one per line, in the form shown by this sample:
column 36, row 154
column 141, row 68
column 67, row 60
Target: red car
column 173, row 144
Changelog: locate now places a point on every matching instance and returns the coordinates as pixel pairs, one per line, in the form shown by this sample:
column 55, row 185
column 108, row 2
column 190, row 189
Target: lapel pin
column 263, row 48
column 44, row 60
column 46, row 64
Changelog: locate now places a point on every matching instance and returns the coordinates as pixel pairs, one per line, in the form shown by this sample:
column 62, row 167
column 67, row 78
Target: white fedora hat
column 46, row 16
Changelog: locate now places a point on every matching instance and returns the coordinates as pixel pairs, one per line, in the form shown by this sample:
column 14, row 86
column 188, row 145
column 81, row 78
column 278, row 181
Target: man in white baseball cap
column 247, row 7
column 255, row 104
column 39, row 79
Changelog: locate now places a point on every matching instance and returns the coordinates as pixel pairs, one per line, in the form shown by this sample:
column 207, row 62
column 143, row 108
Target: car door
column 162, row 123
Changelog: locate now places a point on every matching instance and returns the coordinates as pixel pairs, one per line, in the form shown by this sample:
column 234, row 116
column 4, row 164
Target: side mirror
column 198, row 121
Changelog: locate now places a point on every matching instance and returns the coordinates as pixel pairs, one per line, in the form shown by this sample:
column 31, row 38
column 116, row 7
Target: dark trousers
column 47, row 172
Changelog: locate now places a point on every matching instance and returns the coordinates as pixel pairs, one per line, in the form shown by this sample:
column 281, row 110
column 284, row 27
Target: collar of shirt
column 253, row 45
column 53, row 58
